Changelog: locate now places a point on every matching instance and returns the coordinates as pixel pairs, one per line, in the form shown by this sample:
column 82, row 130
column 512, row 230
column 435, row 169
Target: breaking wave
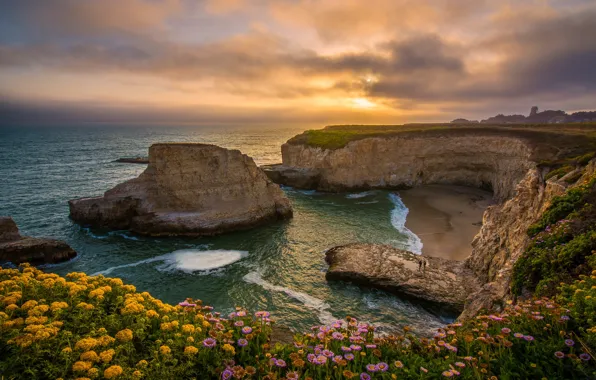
column 398, row 220
column 309, row 301
column 187, row 260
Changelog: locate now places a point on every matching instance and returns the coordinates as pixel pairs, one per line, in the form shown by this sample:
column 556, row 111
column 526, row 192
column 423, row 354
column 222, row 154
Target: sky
column 293, row 61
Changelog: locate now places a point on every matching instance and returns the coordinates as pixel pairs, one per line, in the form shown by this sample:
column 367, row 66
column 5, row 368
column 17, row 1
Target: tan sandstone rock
column 187, row 189
column 484, row 161
column 442, row 285
column 20, row 249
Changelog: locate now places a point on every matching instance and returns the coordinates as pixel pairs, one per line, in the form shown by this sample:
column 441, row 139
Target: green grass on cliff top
column 338, row 136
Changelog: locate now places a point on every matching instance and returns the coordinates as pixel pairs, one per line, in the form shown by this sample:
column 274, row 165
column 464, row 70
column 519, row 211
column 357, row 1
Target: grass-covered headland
column 576, row 137
column 82, row 327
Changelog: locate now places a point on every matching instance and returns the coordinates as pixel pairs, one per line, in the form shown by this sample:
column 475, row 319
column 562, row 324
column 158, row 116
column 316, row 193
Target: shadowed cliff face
column 187, row 189
column 494, row 162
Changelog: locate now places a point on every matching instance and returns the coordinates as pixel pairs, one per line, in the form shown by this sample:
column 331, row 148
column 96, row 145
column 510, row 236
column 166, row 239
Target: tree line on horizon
column 535, row 117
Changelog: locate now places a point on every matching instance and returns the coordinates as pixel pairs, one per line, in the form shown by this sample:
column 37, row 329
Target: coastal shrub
column 96, row 327
column 559, row 172
column 562, row 241
column 580, row 298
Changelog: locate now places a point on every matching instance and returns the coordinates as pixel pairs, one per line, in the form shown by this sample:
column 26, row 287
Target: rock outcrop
column 187, row 189
column 299, row 178
column 495, row 162
column 503, row 237
column 20, row 249
column 503, row 160
column 442, row 285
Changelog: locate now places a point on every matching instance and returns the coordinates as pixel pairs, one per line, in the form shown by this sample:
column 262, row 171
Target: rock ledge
column 20, row 249
column 442, row 287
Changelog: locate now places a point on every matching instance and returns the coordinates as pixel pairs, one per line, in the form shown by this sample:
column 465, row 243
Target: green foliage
column 580, row 298
column 95, row 327
column 559, row 172
column 562, row 206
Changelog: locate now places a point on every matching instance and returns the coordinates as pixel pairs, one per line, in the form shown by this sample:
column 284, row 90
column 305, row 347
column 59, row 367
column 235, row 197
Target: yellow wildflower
column 142, row 364
column 129, row 288
column 36, row 320
column 112, row 372
column 116, row 281
column 152, row 314
column 107, row 355
column 137, row 374
column 81, row 366
column 93, row 372
column 11, row 307
column 105, row 340
column 86, row 344
column 29, row 305
column 227, row 347
column 58, row 306
column 132, row 308
column 165, row 350
column 124, row 335
column 38, row 310
column 188, row 329
column 85, row 305
column 191, row 350
column 66, row 350
column 89, row 356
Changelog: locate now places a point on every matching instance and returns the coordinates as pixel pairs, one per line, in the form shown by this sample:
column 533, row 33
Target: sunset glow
column 323, row 61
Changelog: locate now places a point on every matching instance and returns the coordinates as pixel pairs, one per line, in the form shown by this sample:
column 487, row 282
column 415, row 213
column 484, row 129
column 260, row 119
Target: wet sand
column 446, row 218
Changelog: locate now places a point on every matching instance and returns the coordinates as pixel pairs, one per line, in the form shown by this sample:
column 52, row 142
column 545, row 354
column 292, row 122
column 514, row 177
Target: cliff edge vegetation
column 82, row 327
column 338, row 136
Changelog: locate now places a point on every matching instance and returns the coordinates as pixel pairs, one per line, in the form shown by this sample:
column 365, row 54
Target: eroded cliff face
column 507, row 164
column 498, row 162
column 503, row 237
column 188, row 189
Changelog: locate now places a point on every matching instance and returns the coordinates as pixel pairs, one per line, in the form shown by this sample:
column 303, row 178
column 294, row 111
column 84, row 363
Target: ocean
column 279, row 267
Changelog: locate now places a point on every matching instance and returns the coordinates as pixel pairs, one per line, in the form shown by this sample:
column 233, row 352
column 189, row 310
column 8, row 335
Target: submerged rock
column 133, row 160
column 188, row 189
column 442, row 285
column 20, row 249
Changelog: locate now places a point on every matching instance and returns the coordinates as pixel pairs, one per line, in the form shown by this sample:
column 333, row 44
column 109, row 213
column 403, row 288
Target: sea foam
column 187, row 260
column 360, row 195
column 398, row 220
column 309, row 301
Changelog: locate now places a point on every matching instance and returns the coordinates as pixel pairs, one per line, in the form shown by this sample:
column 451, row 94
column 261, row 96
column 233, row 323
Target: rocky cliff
column 505, row 161
column 20, row 249
column 442, row 285
column 495, row 162
column 187, row 189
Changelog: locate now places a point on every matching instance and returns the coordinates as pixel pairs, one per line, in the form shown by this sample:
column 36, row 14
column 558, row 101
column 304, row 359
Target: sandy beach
column 446, row 218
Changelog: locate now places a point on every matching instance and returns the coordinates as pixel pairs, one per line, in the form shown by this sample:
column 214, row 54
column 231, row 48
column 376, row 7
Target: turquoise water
column 280, row 267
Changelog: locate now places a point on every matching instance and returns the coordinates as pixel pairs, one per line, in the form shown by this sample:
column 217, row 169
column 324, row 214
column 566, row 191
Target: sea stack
column 188, row 189
column 21, row 249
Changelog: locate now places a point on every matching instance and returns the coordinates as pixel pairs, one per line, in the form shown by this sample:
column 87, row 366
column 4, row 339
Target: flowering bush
column 581, row 300
column 562, row 241
column 82, row 327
